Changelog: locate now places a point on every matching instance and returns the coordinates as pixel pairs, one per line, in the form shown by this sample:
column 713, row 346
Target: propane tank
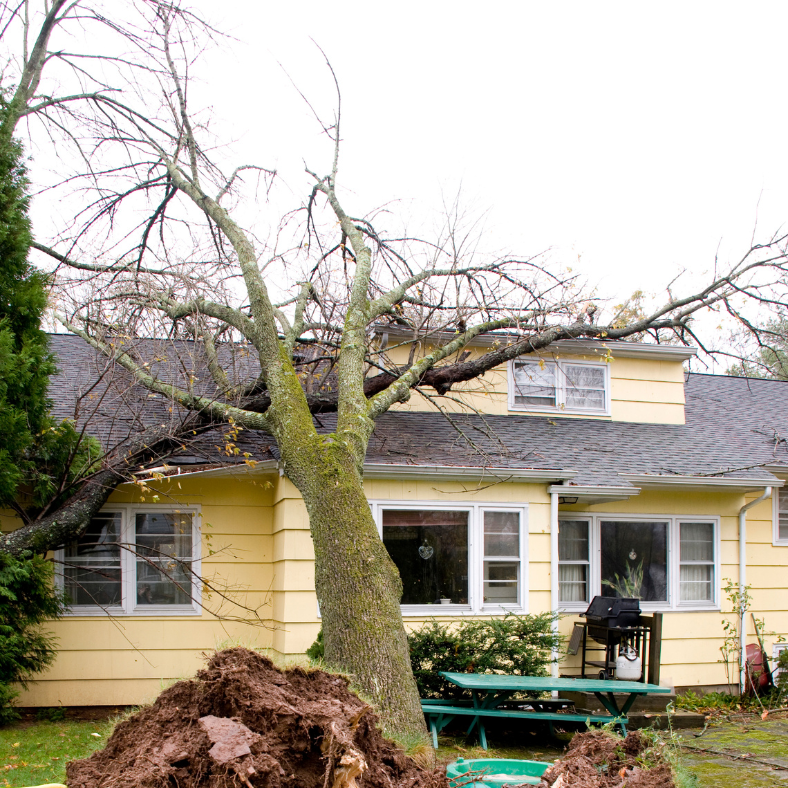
column 629, row 666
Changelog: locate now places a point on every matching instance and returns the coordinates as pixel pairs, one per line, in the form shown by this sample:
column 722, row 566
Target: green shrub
column 27, row 599
column 317, row 651
column 518, row 645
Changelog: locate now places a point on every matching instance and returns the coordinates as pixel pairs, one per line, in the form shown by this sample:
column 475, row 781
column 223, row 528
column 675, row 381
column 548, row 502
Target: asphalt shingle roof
column 734, row 426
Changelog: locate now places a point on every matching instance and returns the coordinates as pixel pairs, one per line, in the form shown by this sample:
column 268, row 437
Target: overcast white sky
column 637, row 137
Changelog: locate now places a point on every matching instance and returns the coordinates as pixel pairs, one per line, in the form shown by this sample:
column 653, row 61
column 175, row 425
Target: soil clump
column 598, row 760
column 243, row 723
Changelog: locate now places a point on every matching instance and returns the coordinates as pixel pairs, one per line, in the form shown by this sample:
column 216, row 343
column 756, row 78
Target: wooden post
column 654, row 648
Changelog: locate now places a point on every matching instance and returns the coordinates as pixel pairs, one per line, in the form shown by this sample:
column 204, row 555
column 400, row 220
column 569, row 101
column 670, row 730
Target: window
column 573, row 560
column 781, row 517
column 466, row 558
column 666, row 562
column 559, row 385
column 134, row 560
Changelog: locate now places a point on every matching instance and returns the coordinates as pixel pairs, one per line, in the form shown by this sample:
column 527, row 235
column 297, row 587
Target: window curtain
column 585, row 387
column 573, row 546
column 697, row 562
column 572, row 583
column 535, row 384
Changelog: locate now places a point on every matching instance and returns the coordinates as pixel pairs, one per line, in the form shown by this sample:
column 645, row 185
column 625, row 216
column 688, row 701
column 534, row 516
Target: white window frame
column 674, row 559
column 476, row 605
column 128, row 565
column 776, row 540
column 561, row 387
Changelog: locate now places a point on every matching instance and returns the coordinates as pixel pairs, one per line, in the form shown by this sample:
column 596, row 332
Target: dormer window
column 573, row 387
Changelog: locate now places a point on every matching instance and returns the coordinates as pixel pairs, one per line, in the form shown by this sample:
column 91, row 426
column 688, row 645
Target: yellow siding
column 263, row 555
column 641, row 390
column 692, row 639
column 140, row 653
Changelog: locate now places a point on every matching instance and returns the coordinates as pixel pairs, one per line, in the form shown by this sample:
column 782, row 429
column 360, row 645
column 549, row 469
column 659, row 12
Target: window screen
column 585, row 387
column 501, row 544
column 164, row 556
column 573, row 560
column 91, row 565
column 696, row 561
column 534, row 383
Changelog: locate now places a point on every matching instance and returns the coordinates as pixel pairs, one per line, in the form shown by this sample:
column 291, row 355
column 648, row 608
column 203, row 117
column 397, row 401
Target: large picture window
column 455, row 558
column 666, row 562
column 558, row 385
column 134, row 560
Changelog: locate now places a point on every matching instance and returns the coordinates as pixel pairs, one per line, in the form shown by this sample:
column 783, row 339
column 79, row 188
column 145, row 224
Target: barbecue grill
column 611, row 621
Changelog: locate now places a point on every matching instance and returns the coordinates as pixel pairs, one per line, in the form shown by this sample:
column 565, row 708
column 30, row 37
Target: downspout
column 554, row 571
column 743, row 579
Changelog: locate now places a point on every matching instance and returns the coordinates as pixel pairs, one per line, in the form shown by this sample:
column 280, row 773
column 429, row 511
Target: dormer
column 611, row 381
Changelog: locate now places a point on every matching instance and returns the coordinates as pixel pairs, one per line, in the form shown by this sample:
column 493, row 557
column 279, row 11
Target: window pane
column 585, row 387
column 91, row 572
column 500, row 582
column 164, row 554
column 696, row 582
column 534, row 383
column 501, row 533
column 430, row 550
column 572, row 540
column 783, row 514
column 573, row 583
column 634, row 560
column 697, row 542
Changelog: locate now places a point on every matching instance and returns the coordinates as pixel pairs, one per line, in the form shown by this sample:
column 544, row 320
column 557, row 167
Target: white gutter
column 554, row 569
column 743, row 578
column 385, row 470
column 655, row 481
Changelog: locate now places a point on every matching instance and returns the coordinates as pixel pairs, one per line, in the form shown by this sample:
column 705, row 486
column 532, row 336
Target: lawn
column 34, row 753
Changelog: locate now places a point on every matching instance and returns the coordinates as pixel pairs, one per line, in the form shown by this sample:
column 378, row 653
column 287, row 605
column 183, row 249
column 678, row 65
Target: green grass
column 37, row 753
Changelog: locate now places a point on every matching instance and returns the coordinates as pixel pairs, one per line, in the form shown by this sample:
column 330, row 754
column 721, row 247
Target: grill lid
column 611, row 608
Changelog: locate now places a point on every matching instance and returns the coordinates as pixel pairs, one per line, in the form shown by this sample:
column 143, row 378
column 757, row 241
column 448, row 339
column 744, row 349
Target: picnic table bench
column 490, row 692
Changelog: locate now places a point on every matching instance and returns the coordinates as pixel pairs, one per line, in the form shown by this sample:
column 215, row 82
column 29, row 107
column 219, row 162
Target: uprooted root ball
column 243, row 722
column 599, row 760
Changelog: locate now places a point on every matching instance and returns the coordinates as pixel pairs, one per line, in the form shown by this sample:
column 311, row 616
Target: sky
column 628, row 142
column 631, row 140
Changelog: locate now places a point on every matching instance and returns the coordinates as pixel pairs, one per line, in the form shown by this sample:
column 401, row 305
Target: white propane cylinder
column 629, row 666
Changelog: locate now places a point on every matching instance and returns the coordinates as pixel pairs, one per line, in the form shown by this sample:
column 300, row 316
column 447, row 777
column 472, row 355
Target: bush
column 317, row 651
column 27, row 599
column 518, row 645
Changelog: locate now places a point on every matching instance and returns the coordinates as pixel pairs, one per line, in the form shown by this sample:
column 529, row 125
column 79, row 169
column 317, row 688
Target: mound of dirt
column 243, row 722
column 599, row 760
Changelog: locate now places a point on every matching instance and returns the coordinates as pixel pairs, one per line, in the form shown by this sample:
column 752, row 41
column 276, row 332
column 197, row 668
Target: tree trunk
column 358, row 586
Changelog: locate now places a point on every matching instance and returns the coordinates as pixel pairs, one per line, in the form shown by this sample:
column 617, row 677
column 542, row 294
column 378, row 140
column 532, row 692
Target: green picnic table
column 490, row 690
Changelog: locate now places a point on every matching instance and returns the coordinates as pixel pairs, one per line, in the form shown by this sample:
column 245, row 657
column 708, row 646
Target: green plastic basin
column 497, row 771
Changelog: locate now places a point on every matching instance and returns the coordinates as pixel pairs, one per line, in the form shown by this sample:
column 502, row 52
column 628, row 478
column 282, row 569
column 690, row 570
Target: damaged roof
column 735, row 428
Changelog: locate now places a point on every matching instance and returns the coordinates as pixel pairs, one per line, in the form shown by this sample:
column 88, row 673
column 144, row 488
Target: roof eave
column 651, row 481
column 383, row 470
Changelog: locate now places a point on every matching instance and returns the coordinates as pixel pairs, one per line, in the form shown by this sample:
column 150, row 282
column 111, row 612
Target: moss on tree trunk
column 358, row 585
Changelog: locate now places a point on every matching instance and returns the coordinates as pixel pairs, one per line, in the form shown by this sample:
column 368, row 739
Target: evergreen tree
column 35, row 451
column 25, row 361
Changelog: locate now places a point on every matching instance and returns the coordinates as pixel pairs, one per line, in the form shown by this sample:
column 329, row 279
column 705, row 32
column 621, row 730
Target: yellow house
column 545, row 483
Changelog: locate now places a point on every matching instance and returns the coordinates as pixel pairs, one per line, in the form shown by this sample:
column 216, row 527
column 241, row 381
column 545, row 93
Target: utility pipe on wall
column 554, row 569
column 743, row 578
